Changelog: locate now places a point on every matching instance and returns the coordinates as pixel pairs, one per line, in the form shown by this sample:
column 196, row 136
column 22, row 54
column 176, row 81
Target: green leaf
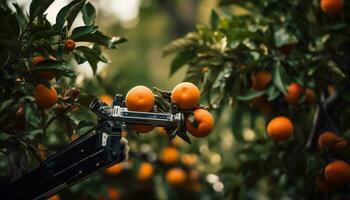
column 250, row 94
column 21, row 18
column 83, row 30
column 91, row 55
column 69, row 13
column 101, row 39
column 272, row 93
column 6, row 104
column 214, row 20
column 279, row 77
column 38, row 7
column 180, row 60
column 181, row 44
column 283, row 37
column 89, row 14
column 33, row 115
column 54, row 66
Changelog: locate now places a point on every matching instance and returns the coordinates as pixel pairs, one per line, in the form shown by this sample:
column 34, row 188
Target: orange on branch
column 337, row 173
column 294, row 91
column 115, row 169
column 140, row 98
column 310, row 96
column 106, row 99
column 176, row 177
column 146, row 172
column 46, row 75
column 332, row 7
column 169, row 155
column 45, row 97
column 280, row 128
column 69, row 44
column 54, row 197
column 204, row 121
column 186, row 95
column 260, row 79
column 322, row 185
column 331, row 140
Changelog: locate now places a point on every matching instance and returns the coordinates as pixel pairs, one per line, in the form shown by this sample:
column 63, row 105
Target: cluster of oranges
column 175, row 176
column 279, row 128
column 186, row 96
column 336, row 173
column 47, row 97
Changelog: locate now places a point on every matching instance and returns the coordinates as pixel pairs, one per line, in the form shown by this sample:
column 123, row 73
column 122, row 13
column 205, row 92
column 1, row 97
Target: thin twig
column 32, row 149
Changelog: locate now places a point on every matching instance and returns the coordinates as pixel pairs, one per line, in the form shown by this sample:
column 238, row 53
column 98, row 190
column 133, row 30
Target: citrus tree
column 281, row 70
column 37, row 79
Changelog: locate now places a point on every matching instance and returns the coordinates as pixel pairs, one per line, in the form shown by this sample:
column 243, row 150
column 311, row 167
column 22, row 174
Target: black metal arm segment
column 99, row 148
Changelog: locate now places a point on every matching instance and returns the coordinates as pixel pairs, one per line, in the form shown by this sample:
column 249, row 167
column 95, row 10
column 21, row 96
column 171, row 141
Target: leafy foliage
column 295, row 42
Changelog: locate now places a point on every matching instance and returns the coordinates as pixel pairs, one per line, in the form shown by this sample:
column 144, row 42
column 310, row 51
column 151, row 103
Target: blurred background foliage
column 236, row 161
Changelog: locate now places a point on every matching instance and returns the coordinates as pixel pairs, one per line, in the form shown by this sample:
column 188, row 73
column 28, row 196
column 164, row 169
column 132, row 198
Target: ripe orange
column 189, row 159
column 280, row 128
column 260, row 79
column 322, row 185
column 145, row 172
column 331, row 140
column 332, row 7
column 112, row 193
column 45, row 97
column 310, row 96
column 294, row 91
column 337, row 173
column 140, row 98
column 106, row 99
column 205, row 123
column 169, row 155
column 186, row 95
column 54, row 197
column 115, row 169
column 46, row 75
column 69, row 44
column 176, row 177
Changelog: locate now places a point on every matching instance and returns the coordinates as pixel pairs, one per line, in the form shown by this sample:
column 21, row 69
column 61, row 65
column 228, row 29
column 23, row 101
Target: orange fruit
column 46, row 75
column 145, row 172
column 337, row 173
column 294, row 91
column 112, row 193
column 189, row 159
column 115, row 169
column 176, row 177
column 45, row 97
column 204, row 121
column 310, row 96
column 331, row 140
column 332, row 7
column 54, row 197
column 186, row 95
column 322, row 185
column 169, row 155
column 260, row 79
column 280, row 128
column 69, row 44
column 106, row 99
column 140, row 98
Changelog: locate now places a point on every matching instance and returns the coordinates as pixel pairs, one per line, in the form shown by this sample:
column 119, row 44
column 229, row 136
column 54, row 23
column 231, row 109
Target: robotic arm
column 100, row 147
